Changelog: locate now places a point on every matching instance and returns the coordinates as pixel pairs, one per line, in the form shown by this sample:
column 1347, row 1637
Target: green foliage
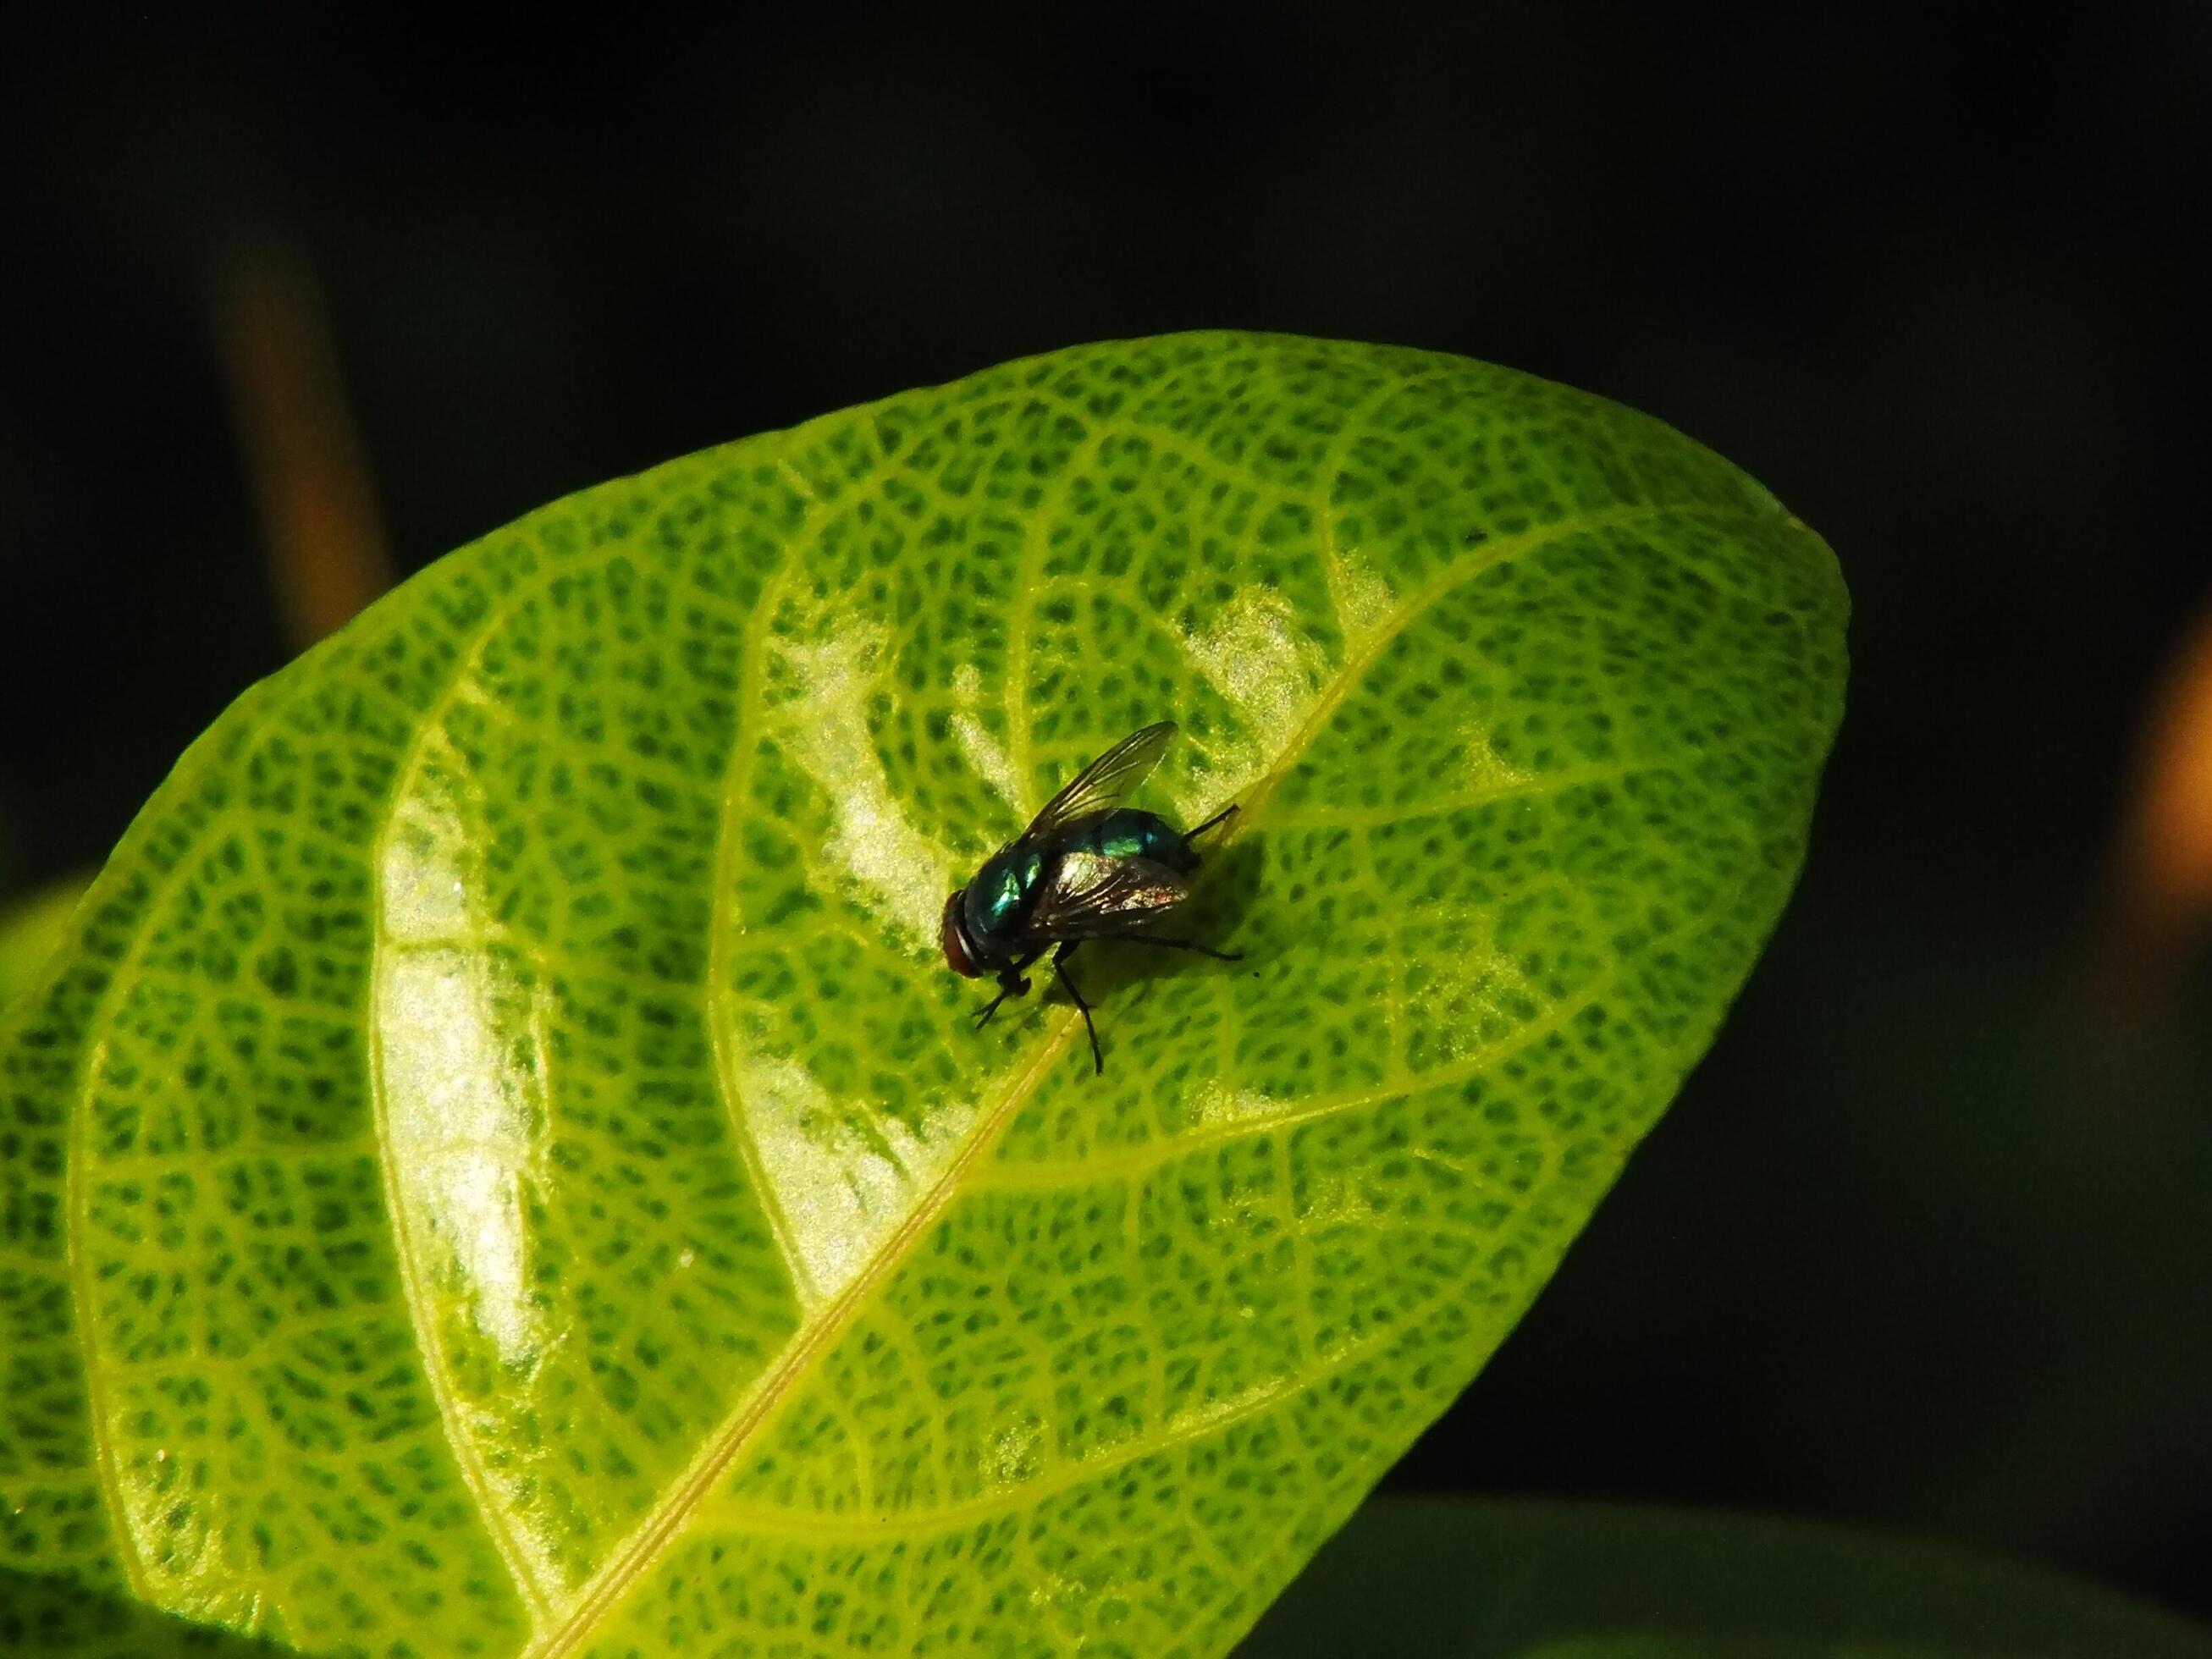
column 54, row 1617
column 1412, row 1578
column 31, row 930
column 503, row 1168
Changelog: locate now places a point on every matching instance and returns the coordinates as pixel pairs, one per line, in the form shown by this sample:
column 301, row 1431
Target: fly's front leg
column 1059, row 969
column 1011, row 984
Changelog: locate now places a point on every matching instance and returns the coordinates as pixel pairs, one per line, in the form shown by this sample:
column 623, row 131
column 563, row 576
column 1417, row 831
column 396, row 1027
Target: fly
column 1086, row 868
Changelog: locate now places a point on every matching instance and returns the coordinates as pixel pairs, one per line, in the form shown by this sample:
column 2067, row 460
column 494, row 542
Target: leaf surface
column 503, row 1167
column 32, row 928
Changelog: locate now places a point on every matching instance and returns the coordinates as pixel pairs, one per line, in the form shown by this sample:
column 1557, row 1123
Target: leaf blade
column 598, row 1014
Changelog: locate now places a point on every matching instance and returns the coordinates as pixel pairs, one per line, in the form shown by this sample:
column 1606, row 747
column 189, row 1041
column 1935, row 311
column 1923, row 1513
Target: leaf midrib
column 643, row 1547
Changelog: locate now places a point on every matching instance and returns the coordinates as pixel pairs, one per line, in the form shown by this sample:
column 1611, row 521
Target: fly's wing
column 1093, row 896
column 1108, row 779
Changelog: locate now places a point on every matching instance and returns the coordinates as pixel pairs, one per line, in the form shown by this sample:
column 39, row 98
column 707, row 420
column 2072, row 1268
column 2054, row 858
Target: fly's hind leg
column 1184, row 945
column 1222, row 816
column 1059, row 969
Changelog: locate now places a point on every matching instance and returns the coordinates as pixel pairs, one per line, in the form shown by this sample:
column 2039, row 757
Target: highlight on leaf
column 501, row 1166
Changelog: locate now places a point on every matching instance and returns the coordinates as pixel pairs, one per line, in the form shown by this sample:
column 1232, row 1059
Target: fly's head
column 960, row 952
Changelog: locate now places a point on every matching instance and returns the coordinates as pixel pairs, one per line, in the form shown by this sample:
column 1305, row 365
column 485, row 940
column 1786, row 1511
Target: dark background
column 1923, row 1245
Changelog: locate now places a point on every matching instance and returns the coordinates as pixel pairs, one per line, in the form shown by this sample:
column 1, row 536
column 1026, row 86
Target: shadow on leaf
column 52, row 1617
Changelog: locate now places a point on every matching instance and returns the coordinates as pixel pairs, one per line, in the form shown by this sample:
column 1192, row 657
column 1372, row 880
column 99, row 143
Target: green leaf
column 31, row 929
column 504, row 1168
column 1440, row 1578
column 55, row 1618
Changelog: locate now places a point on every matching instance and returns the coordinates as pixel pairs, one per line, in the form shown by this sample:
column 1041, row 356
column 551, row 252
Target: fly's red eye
column 954, row 938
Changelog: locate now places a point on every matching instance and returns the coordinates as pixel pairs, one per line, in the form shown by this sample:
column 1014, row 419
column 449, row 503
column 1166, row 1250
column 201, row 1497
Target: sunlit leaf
column 505, row 1168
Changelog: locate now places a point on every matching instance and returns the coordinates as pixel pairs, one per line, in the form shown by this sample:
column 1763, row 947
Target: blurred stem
column 2160, row 885
column 326, row 541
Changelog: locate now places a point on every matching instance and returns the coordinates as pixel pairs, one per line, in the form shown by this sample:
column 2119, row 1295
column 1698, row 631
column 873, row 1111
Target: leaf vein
column 1026, row 574
column 1149, row 1157
column 428, row 728
column 745, row 737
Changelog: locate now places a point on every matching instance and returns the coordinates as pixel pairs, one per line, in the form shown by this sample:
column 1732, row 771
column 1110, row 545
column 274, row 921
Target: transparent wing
column 1108, row 779
column 1092, row 897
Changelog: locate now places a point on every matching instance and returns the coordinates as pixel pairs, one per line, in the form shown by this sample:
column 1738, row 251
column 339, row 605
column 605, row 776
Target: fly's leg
column 1011, row 984
column 1222, row 816
column 1059, row 969
column 1183, row 945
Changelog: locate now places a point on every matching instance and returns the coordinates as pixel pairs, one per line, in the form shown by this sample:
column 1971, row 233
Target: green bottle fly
column 1086, row 868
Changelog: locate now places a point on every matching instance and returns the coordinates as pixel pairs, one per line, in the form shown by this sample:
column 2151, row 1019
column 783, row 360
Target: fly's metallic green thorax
column 1086, row 868
column 1002, row 893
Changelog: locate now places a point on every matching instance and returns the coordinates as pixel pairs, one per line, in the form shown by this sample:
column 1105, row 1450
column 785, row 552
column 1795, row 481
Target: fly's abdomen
column 1127, row 833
